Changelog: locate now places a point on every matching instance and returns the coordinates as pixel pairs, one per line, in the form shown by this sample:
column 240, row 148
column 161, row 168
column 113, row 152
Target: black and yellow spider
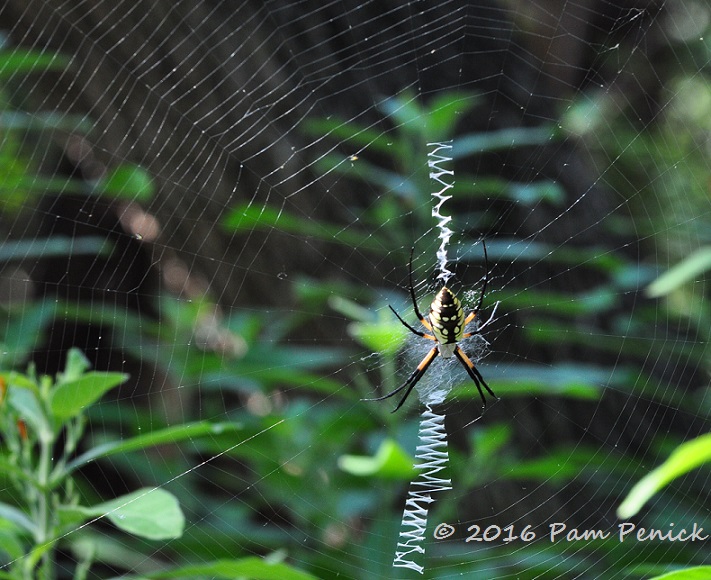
column 447, row 324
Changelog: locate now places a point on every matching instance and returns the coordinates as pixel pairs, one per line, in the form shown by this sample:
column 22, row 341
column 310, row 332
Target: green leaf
column 533, row 193
column 68, row 399
column 566, row 380
column 75, row 366
column 684, row 458
column 349, row 134
column 23, row 396
column 378, row 331
column 351, row 309
column 560, row 465
column 389, row 181
column 44, row 120
column 509, row 249
column 405, row 111
column 28, row 408
column 14, row 515
column 8, row 468
column 128, row 182
column 150, row 513
column 38, row 248
column 690, row 268
column 587, row 114
column 445, row 111
column 169, row 435
column 249, row 217
column 382, row 336
column 20, row 338
column 13, row 62
column 389, row 461
column 34, row 184
column 696, row 573
column 15, row 379
column 11, row 544
column 252, row 567
column 503, row 139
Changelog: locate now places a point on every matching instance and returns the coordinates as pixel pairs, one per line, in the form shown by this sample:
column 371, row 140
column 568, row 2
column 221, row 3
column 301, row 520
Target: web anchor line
column 433, row 458
column 445, row 178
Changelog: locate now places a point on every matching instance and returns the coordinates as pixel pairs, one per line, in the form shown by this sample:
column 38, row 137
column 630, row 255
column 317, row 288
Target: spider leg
column 472, row 315
column 421, row 318
column 474, row 374
column 412, row 380
column 410, row 328
column 485, row 281
column 491, row 317
column 488, row 321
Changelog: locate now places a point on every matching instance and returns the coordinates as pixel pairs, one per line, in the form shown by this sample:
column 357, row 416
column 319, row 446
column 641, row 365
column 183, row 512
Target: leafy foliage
column 44, row 504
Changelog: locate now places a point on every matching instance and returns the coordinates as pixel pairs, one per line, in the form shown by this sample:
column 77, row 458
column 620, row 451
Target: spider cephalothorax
column 447, row 323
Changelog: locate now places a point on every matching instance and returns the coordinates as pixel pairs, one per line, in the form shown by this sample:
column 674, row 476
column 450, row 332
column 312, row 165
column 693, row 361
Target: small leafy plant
column 42, row 422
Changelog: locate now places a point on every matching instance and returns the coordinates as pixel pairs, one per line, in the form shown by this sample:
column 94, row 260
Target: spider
column 446, row 322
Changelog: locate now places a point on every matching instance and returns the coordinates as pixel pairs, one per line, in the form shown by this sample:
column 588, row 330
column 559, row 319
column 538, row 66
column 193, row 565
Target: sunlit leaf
column 14, row 515
column 689, row 269
column 446, row 110
column 21, row 61
column 383, row 336
column 128, row 181
column 503, row 249
column 686, row 457
column 377, row 330
column 151, row 513
column 19, row 380
column 28, row 408
column 169, row 435
column 11, row 544
column 695, row 573
column 390, row 461
column 68, row 399
column 350, row 309
column 75, row 366
column 587, row 114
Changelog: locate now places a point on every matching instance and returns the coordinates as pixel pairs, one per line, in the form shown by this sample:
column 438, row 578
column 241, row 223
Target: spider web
column 220, row 200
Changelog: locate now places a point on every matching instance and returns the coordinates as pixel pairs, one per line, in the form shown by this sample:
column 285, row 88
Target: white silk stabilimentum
column 431, row 455
column 432, row 458
column 438, row 175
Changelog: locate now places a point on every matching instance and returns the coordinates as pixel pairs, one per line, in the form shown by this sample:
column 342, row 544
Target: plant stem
column 44, row 504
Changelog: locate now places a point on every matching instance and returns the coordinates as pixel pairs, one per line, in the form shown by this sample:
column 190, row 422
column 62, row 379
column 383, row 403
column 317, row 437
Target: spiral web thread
column 431, row 453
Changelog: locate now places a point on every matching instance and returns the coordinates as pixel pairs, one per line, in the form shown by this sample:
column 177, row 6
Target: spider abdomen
column 447, row 317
